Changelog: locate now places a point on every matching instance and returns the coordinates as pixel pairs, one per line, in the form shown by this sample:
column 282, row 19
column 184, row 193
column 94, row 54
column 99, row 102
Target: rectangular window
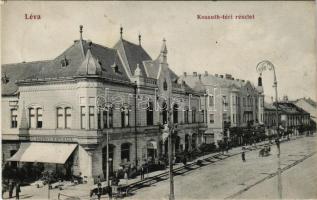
column 127, row 116
column 39, row 123
column 225, row 102
column 14, row 118
column 105, row 118
column 68, row 116
column 186, row 116
column 211, row 101
column 83, row 117
column 211, row 118
column 194, row 116
column 32, row 122
column 202, row 116
column 111, row 118
column 60, row 118
column 91, row 117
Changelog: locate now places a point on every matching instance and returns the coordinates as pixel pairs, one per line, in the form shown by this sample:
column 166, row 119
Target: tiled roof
column 17, row 72
column 107, row 58
column 134, row 55
column 211, row 80
column 290, row 108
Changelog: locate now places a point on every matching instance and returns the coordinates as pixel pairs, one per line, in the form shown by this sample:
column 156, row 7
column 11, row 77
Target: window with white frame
column 32, row 121
column 14, row 118
column 39, row 121
column 211, row 101
column 91, row 117
column 82, row 117
column 211, row 118
column 60, row 117
column 68, row 117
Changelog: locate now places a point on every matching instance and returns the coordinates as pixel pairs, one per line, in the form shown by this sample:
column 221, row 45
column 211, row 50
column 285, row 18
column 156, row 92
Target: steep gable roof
column 105, row 57
column 132, row 55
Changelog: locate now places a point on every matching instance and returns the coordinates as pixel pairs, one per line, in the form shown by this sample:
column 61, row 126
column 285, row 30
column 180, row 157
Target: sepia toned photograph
column 143, row 100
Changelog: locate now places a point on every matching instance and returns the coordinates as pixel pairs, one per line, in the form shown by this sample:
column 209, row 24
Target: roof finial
column 140, row 39
column 81, row 32
column 121, row 31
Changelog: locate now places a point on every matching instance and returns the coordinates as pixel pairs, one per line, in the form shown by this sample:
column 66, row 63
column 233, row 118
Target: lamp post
column 262, row 66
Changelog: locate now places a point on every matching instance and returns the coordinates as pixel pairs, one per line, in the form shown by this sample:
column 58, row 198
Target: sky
column 281, row 32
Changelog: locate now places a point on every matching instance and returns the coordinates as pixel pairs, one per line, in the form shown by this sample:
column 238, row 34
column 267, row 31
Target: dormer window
column 5, row 79
column 64, row 62
column 115, row 68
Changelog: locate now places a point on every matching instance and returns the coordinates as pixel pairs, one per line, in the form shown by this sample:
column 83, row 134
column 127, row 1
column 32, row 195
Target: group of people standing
column 11, row 187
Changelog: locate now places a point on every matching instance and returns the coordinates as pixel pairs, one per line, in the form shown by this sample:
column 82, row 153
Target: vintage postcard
column 158, row 100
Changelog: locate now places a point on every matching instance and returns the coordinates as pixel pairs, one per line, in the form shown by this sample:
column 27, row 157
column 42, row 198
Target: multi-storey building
column 291, row 117
column 61, row 110
column 309, row 106
column 229, row 103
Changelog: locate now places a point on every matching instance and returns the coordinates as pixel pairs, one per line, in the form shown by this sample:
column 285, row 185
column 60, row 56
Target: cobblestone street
column 226, row 178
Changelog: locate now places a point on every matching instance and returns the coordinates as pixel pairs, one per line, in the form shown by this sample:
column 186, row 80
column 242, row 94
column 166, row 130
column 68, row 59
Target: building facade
column 291, row 118
column 229, row 102
column 88, row 92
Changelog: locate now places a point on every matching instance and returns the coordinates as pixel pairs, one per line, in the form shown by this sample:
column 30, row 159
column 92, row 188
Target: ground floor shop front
column 68, row 160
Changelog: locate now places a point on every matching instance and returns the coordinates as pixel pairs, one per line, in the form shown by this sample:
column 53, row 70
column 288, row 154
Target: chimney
column 206, row 73
column 216, row 75
column 139, row 39
column 199, row 76
column 185, row 74
column 194, row 73
column 221, row 76
column 260, row 81
column 228, row 76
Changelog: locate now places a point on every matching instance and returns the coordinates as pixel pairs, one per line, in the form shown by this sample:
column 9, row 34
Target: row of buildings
column 60, row 112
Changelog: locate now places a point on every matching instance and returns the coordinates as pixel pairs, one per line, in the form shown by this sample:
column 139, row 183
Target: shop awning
column 43, row 152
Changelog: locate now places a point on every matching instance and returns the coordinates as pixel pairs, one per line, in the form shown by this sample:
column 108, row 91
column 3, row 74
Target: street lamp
column 262, row 66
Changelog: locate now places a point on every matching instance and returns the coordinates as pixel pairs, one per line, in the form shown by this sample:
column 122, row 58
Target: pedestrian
column 126, row 176
column 243, row 156
column 17, row 191
column 142, row 172
column 109, row 190
column 11, row 187
column 98, row 180
column 99, row 191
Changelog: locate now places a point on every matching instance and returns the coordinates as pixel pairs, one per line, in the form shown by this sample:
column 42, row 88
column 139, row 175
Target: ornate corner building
column 60, row 111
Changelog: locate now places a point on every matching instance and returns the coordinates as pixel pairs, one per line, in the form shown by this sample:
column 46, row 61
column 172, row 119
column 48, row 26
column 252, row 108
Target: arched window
column 68, row 117
column 63, row 117
column 175, row 113
column 60, row 117
column 186, row 116
column 149, row 114
column 125, row 115
column 165, row 85
column 32, row 122
column 107, row 118
column 125, row 152
column 164, row 112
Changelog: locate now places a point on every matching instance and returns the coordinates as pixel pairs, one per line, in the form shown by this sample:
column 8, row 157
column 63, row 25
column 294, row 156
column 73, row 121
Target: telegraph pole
column 262, row 66
column 107, row 157
column 170, row 155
